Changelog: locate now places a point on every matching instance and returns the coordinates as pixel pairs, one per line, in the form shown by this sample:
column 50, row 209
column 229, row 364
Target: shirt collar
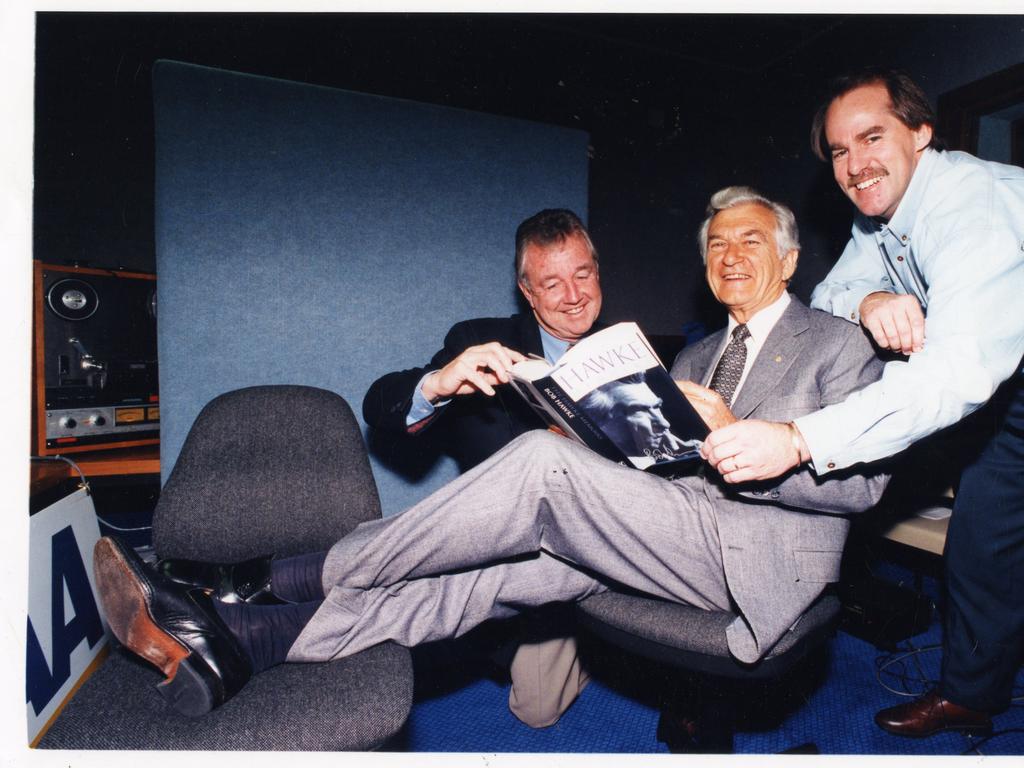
column 553, row 347
column 902, row 222
column 761, row 324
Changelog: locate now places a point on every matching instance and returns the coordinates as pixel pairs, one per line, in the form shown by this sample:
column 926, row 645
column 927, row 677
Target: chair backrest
column 270, row 469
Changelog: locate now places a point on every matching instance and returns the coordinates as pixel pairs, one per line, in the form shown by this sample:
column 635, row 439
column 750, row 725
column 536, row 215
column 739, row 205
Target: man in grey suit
column 547, row 520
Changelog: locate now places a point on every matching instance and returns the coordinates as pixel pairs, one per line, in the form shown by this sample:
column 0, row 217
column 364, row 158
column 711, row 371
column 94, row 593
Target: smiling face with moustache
column 745, row 271
column 873, row 152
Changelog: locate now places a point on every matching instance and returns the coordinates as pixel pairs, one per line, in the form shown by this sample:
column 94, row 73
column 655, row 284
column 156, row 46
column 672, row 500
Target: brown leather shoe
column 930, row 714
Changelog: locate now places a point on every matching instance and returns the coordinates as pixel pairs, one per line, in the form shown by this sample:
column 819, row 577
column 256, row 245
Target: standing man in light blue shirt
column 935, row 271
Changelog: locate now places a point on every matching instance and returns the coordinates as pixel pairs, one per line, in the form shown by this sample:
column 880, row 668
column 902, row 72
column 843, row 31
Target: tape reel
column 72, row 299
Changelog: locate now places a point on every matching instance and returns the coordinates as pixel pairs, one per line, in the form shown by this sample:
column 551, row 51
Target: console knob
column 68, row 423
column 97, row 421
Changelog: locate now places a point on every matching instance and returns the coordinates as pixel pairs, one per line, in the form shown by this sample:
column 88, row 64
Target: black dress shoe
column 172, row 627
column 930, row 714
column 245, row 582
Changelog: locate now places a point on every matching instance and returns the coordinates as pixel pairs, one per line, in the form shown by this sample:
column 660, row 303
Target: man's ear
column 789, row 263
column 525, row 290
column 922, row 136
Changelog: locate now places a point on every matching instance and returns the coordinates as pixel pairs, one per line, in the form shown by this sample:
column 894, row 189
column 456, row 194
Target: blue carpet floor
column 461, row 706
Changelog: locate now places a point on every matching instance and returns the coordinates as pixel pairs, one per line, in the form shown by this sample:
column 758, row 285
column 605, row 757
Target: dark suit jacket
column 473, row 426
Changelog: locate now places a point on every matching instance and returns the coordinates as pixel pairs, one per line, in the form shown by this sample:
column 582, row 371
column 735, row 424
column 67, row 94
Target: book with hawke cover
column 612, row 393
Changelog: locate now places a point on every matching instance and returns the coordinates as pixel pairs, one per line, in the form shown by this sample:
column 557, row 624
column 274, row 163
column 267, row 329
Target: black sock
column 298, row 579
column 266, row 632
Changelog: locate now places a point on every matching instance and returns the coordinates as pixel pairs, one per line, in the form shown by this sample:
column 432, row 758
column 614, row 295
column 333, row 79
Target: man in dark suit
column 456, row 398
column 546, row 519
column 557, row 273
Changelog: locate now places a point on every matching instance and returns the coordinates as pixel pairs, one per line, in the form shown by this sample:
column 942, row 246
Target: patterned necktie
column 730, row 368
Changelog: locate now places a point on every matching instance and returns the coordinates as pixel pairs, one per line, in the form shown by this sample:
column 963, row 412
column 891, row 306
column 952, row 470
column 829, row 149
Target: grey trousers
column 543, row 520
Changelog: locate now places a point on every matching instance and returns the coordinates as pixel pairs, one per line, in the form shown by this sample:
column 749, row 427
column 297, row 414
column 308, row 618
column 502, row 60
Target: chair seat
column 692, row 638
column 350, row 704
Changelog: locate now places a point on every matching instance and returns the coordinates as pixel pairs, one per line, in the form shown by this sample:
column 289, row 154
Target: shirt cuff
column 816, row 429
column 422, row 408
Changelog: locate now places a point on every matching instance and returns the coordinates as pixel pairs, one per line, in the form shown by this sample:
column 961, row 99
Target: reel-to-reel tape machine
column 95, row 362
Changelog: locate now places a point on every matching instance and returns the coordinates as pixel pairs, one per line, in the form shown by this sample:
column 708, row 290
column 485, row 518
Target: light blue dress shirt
column 956, row 242
column 422, row 408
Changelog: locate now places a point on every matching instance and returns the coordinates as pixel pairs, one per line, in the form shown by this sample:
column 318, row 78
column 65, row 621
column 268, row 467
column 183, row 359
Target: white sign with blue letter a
column 66, row 630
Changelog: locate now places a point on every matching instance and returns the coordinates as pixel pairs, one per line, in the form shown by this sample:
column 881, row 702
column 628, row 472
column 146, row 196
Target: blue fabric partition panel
column 308, row 235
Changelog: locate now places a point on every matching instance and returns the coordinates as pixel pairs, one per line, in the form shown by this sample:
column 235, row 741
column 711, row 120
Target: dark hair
column 909, row 103
column 552, row 225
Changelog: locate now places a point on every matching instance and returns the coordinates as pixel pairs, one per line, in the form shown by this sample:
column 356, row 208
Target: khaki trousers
column 546, row 679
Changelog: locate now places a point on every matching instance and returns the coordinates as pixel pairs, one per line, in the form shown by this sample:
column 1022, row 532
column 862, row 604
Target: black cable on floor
column 912, row 653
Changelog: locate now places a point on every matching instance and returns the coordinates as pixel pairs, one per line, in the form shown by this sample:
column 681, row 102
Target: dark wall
column 676, row 106
column 752, row 128
column 940, row 53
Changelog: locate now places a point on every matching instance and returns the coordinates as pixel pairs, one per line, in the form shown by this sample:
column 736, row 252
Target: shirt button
column 831, row 465
column 899, row 258
column 903, row 238
column 853, row 315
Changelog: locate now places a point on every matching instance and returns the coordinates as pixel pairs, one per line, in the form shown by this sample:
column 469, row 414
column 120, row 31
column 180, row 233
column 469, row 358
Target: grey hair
column 787, row 237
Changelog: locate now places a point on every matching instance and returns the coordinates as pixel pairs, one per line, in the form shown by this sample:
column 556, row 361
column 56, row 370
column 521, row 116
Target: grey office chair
column 693, row 642
column 269, row 469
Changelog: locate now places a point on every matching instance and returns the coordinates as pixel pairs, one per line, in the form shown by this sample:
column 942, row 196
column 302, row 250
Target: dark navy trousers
column 984, row 621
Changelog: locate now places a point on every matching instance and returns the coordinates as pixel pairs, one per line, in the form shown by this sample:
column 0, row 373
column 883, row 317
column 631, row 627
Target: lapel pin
column 778, row 358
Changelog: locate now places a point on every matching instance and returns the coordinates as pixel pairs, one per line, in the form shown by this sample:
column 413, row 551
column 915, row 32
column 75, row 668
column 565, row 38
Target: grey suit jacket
column 782, row 541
